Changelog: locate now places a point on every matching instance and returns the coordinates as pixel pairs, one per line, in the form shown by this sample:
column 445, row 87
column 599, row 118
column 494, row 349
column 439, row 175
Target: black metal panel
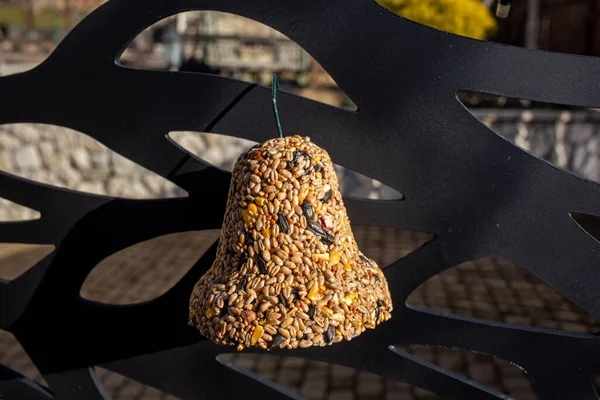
column 478, row 194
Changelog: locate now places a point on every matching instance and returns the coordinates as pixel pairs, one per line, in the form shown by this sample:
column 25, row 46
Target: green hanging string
column 277, row 121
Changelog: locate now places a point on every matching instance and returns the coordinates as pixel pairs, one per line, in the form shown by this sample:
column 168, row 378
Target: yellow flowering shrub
column 469, row 18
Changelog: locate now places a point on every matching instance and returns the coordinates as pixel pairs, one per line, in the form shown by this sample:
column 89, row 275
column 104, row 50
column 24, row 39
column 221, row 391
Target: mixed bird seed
column 288, row 271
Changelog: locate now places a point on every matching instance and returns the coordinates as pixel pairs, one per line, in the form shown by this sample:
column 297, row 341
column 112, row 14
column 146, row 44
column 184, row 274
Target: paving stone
column 314, row 389
column 449, row 360
column 517, row 384
column 294, row 362
column 562, row 315
column 341, row 394
column 423, row 394
column 482, row 373
column 369, row 384
column 28, row 158
column 573, row 327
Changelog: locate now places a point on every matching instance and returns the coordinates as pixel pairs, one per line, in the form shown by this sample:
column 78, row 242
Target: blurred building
column 566, row 26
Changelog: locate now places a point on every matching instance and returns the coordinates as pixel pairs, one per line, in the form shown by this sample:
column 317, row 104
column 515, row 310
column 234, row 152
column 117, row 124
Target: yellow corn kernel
column 314, row 294
column 253, row 209
column 246, row 216
column 323, row 288
column 369, row 325
column 348, row 299
column 240, row 347
column 260, row 201
column 328, row 310
column 319, row 175
column 258, row 332
column 347, row 267
column 321, row 256
column 210, row 313
column 338, row 333
column 261, row 323
column 302, row 196
column 337, row 317
column 317, row 158
column 266, row 233
column 334, row 258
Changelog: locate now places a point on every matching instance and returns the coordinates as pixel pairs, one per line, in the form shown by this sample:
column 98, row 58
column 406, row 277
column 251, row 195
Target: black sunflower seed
column 308, row 162
column 327, row 196
column 295, row 294
column 365, row 260
column 380, row 303
column 282, row 222
column 307, row 210
column 330, row 335
column 282, row 300
column 277, row 340
column 243, row 283
column 318, row 168
column 311, row 311
column 316, row 228
column 376, row 278
column 262, row 265
column 328, row 239
column 291, row 164
column 297, row 156
column 242, row 259
column 376, row 315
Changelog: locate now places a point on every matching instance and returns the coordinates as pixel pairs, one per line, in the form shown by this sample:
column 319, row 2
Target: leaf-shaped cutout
column 66, row 158
column 358, row 185
column 10, row 212
column 120, row 387
column 146, row 270
column 23, row 53
column 589, row 223
column 13, row 356
column 17, row 258
column 319, row 380
column 498, row 290
column 490, row 371
column 387, row 245
column 225, row 44
column 563, row 136
column 222, row 151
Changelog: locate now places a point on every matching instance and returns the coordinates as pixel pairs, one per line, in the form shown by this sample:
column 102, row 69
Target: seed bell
column 288, row 272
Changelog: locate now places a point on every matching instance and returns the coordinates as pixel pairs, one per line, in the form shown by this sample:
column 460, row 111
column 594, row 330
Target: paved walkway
column 491, row 289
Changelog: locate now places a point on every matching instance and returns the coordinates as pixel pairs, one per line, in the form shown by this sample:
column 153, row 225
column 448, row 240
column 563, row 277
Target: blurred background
column 228, row 45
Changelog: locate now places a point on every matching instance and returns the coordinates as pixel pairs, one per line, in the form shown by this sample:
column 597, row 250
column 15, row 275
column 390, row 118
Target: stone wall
column 568, row 139
column 66, row 158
